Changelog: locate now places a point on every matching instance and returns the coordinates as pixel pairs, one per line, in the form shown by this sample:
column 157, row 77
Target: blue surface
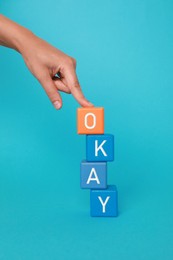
column 93, row 175
column 100, row 148
column 125, row 60
column 104, row 203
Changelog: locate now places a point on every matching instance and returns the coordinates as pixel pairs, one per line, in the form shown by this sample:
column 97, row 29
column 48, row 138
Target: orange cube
column 90, row 120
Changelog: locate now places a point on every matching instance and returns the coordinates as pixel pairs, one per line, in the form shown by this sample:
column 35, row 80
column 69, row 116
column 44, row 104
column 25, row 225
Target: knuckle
column 76, row 84
column 68, row 91
column 72, row 61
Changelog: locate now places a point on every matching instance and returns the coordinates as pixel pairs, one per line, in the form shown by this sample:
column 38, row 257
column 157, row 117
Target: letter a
column 90, row 178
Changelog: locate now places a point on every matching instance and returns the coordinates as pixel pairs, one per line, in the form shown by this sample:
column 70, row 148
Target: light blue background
column 124, row 53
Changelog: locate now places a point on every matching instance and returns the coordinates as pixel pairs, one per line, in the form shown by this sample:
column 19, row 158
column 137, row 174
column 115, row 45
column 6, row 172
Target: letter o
column 86, row 121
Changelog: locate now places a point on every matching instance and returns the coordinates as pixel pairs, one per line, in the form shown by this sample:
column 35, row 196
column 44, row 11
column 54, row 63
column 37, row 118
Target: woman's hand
column 45, row 62
column 55, row 70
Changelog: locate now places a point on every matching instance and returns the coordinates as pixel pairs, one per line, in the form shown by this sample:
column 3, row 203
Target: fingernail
column 57, row 104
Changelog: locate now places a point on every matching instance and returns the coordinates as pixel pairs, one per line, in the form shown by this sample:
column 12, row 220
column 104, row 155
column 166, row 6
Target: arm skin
column 44, row 61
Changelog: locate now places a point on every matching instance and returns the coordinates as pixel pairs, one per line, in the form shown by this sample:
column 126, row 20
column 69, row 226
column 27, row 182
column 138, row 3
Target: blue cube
column 93, row 175
column 100, row 148
column 104, row 203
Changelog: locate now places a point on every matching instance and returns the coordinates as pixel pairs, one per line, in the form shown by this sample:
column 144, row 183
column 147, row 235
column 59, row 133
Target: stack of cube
column 93, row 170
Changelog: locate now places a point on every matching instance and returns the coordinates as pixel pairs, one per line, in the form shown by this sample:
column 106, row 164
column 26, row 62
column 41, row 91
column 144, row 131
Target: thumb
column 51, row 90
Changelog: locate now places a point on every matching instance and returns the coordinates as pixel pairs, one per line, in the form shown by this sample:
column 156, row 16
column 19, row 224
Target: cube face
column 93, row 175
column 104, row 203
column 100, row 148
column 90, row 120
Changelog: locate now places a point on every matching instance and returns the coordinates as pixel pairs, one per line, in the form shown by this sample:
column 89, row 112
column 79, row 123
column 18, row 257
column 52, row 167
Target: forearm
column 13, row 35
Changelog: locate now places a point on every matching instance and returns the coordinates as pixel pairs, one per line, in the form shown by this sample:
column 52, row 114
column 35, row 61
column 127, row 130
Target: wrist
column 13, row 35
column 21, row 39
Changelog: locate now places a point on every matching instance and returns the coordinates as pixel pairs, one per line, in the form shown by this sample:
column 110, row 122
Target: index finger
column 73, row 84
